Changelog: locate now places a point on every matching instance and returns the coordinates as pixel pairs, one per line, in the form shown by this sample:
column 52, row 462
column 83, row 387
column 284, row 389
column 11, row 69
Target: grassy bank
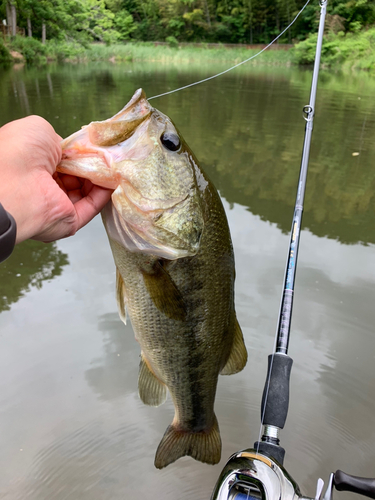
column 339, row 51
column 186, row 54
column 32, row 51
column 36, row 53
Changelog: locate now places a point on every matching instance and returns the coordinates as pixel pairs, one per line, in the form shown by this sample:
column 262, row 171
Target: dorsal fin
column 122, row 125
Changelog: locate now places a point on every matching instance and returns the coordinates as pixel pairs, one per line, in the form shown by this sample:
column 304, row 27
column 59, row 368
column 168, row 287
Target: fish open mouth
column 81, row 159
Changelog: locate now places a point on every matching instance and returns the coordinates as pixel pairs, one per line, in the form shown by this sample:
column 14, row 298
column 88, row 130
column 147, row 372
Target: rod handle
column 361, row 485
column 275, row 400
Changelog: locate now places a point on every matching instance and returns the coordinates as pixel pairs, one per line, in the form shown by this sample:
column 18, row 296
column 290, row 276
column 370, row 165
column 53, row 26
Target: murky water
column 71, row 423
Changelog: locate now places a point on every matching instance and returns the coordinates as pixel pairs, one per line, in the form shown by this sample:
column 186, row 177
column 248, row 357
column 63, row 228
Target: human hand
column 46, row 205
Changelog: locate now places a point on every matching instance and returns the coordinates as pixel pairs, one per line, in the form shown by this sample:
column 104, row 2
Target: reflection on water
column 72, row 425
column 30, row 264
column 115, row 373
column 245, row 128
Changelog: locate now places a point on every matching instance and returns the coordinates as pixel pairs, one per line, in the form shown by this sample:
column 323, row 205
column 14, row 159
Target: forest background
column 75, row 24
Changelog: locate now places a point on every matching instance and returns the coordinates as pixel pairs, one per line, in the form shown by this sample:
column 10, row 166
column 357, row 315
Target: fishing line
column 236, row 65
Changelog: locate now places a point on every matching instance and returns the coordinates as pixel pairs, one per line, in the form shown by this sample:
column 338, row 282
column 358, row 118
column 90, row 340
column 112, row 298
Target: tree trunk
column 251, row 22
column 277, row 21
column 44, row 33
column 207, row 13
column 9, row 15
column 14, row 20
column 29, row 30
column 95, row 35
column 11, row 18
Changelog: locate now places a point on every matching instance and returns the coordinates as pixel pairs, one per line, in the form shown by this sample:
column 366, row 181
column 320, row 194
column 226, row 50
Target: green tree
column 124, row 24
column 227, row 21
column 83, row 20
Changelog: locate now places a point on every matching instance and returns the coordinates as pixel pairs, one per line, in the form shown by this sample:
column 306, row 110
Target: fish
column 175, row 268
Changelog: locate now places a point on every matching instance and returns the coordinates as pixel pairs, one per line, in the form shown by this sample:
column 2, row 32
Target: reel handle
column 361, row 485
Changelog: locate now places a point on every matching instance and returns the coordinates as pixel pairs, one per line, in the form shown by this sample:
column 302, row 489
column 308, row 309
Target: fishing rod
column 258, row 473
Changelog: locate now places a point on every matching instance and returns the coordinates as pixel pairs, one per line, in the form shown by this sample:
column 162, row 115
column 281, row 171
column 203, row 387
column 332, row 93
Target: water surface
column 71, row 423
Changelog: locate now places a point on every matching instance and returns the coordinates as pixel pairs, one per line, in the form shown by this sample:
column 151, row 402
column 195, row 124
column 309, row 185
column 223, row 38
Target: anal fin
column 238, row 355
column 204, row 446
column 151, row 391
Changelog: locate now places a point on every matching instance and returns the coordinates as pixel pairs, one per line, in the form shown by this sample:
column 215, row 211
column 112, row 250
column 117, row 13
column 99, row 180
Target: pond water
column 71, row 423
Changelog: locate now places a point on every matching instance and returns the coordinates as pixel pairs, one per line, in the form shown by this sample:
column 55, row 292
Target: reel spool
column 252, row 476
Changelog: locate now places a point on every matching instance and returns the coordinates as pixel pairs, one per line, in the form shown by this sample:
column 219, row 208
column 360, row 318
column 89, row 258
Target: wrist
column 26, row 202
column 8, row 231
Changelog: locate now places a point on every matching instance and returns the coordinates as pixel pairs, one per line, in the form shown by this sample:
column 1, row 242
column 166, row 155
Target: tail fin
column 204, row 446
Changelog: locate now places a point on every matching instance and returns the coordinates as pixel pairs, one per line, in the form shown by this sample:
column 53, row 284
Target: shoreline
column 341, row 52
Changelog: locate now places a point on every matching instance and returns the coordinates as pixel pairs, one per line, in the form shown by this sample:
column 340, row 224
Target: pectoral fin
column 164, row 293
column 238, row 355
column 151, row 391
column 120, row 296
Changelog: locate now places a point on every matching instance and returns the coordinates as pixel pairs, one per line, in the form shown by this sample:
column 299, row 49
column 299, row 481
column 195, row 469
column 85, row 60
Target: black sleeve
column 8, row 231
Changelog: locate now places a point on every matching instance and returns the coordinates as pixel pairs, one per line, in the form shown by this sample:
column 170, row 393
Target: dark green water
column 71, row 423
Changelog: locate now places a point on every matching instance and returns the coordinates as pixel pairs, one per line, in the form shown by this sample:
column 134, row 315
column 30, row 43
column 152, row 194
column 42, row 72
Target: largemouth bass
column 175, row 267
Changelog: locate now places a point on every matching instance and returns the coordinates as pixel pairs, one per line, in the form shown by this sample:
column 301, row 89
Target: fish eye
column 170, row 141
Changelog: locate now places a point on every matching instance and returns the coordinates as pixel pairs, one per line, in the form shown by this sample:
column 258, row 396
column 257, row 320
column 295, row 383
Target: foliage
column 226, row 21
column 99, row 21
column 124, row 24
column 172, row 41
column 354, row 14
column 75, row 24
column 82, row 20
column 32, row 50
column 351, row 49
column 5, row 56
column 37, row 53
column 64, row 51
column 239, row 21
